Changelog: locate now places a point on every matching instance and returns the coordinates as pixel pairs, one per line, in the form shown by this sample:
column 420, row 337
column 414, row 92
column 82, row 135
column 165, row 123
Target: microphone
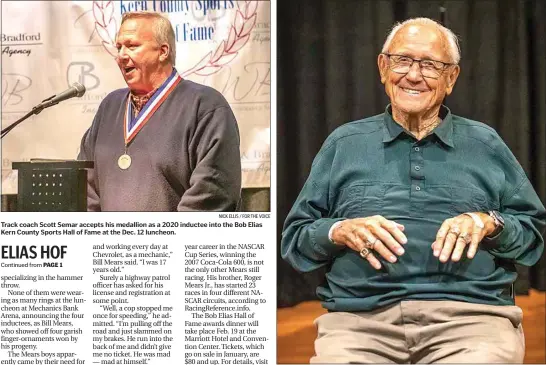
column 76, row 90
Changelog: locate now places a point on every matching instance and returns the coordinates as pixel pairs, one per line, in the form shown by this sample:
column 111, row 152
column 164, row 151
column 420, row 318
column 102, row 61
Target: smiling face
column 411, row 94
column 140, row 58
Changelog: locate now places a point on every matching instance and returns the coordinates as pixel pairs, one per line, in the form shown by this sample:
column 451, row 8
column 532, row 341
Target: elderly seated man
column 420, row 216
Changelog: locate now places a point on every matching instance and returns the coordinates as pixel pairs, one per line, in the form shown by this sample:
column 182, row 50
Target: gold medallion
column 124, row 161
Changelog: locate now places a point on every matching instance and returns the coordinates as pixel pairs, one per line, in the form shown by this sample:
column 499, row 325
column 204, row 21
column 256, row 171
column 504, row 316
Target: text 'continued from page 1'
column 146, row 290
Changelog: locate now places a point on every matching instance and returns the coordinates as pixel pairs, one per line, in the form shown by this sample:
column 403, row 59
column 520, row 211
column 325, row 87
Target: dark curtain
column 327, row 76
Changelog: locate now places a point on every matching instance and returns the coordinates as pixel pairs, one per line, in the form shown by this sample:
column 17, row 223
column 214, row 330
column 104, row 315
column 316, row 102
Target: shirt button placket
column 417, row 178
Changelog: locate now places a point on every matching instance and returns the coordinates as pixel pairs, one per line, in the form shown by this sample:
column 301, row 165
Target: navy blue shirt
column 375, row 167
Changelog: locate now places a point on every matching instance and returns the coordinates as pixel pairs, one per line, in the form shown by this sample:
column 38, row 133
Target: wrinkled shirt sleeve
column 521, row 240
column 305, row 243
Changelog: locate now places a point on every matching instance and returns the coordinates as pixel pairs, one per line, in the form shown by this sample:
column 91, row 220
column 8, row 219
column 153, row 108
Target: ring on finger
column 371, row 243
column 364, row 252
column 466, row 237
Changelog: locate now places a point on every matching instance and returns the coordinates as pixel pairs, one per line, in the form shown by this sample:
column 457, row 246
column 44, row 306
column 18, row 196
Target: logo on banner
column 21, row 45
column 81, row 72
column 14, row 88
column 213, row 60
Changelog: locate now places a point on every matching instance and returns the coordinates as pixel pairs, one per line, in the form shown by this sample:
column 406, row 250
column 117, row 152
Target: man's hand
column 373, row 233
column 457, row 233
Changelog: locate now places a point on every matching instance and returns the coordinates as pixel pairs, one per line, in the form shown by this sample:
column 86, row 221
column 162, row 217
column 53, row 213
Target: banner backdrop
column 48, row 45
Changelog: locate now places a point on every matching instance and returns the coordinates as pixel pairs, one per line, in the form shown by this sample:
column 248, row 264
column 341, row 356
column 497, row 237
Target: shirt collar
column 444, row 131
column 140, row 101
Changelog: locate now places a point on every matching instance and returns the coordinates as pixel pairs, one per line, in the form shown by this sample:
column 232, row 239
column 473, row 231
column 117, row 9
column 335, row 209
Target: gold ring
column 364, row 252
column 370, row 244
column 466, row 237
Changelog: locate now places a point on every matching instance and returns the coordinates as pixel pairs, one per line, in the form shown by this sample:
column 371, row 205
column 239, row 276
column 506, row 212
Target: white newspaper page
column 137, row 288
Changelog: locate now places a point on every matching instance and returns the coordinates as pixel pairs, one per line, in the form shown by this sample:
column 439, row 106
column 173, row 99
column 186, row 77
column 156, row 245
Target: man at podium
column 163, row 143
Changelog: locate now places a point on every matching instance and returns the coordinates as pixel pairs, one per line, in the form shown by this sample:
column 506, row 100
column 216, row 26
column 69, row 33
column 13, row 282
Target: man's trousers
column 422, row 332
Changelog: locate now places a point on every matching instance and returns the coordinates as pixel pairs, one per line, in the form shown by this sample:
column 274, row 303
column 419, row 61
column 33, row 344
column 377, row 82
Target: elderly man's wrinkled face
column 413, row 93
column 139, row 54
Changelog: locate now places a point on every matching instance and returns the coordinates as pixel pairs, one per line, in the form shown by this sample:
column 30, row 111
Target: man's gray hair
column 453, row 49
column 162, row 28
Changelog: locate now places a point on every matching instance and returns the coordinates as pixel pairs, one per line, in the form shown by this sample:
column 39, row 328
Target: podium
column 52, row 185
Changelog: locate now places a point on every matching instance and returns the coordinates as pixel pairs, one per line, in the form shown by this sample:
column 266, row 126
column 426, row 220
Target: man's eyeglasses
column 429, row 68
